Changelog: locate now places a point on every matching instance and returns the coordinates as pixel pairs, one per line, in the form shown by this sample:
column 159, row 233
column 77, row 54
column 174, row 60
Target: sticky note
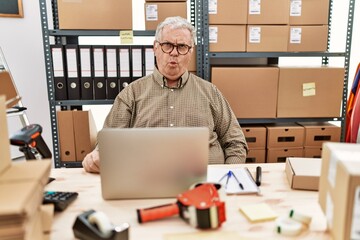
column 258, row 212
column 126, row 37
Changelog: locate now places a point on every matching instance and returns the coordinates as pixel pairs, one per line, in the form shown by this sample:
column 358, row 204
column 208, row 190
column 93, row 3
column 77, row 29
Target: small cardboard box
column 66, row 136
column 308, row 38
column 93, row 14
column 268, row 12
column 303, row 173
column 277, row 155
column 221, row 38
column 256, row 156
column 192, row 64
column 156, row 12
column 267, row 38
column 316, row 133
column 285, row 135
column 332, row 154
column 343, row 201
column 250, row 91
column 255, row 136
column 228, row 12
column 309, row 12
column 310, row 92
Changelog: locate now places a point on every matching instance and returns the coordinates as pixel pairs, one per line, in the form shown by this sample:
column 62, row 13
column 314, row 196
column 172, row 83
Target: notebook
column 151, row 162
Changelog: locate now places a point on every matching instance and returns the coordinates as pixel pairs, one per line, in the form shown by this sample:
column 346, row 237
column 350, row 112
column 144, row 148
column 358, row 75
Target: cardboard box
column 85, row 133
column 310, row 92
column 21, row 188
column 316, row 133
column 192, row 64
column 342, row 210
column 93, row 14
column 250, row 91
column 277, row 155
column 332, row 154
column 285, row 135
column 309, row 12
column 312, row 152
column 228, row 12
column 308, row 38
column 256, row 156
column 156, row 12
column 222, row 38
column 7, row 87
column 66, row 136
column 268, row 12
column 267, row 38
column 255, row 136
column 303, row 173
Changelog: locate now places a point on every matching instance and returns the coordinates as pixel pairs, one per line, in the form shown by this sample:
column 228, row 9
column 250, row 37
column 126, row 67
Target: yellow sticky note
column 309, row 89
column 126, row 37
column 258, row 212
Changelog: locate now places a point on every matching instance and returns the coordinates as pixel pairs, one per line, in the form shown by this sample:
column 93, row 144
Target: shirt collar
column 161, row 79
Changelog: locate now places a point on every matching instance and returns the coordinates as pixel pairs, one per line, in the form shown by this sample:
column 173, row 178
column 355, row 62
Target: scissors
column 228, row 175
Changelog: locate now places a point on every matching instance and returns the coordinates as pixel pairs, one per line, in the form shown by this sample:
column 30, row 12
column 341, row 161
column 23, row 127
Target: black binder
column 111, row 70
column 99, row 72
column 124, row 66
column 58, row 64
column 72, row 72
column 86, row 78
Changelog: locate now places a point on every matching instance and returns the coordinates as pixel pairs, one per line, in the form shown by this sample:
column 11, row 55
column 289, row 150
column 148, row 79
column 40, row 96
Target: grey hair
column 175, row 23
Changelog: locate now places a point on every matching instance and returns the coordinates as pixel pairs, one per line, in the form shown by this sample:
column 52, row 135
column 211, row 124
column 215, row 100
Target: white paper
column 232, row 187
column 85, row 62
column 111, row 62
column 124, row 62
column 58, row 64
column 149, row 61
column 151, row 12
column 254, row 7
column 255, row 35
column 212, row 6
column 137, row 62
column 213, row 34
column 295, row 8
column 295, row 35
column 99, row 62
column 71, row 61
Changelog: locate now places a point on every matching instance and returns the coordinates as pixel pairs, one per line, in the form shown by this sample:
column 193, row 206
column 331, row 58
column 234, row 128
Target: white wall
column 21, row 42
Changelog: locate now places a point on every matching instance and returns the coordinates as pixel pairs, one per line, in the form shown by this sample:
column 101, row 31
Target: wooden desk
column 275, row 192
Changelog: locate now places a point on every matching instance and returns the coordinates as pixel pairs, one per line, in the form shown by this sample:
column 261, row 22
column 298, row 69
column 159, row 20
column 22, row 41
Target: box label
column 151, row 12
column 255, row 35
column 355, row 226
column 295, row 35
column 309, row 89
column 329, row 210
column 254, row 7
column 212, row 6
column 295, row 8
column 213, row 34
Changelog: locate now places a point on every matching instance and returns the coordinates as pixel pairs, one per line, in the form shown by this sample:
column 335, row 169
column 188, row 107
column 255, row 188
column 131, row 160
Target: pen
column 240, row 185
column 258, row 176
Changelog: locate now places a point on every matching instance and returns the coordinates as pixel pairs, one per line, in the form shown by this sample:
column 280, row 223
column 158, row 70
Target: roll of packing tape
column 300, row 217
column 287, row 226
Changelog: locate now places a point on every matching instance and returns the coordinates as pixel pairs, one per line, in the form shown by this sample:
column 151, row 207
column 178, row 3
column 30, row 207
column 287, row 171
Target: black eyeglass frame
column 173, row 46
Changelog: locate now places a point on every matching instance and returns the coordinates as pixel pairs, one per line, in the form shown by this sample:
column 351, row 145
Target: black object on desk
column 61, row 200
column 258, row 176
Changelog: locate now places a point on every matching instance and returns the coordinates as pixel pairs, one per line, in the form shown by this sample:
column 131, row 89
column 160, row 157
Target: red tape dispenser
column 200, row 207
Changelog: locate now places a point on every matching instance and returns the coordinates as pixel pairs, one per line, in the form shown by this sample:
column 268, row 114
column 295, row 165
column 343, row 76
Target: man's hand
column 91, row 162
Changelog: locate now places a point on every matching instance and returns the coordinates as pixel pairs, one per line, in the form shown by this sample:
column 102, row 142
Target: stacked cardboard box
column 21, row 190
column 77, row 134
column 255, row 136
column 316, row 133
column 339, row 189
column 157, row 10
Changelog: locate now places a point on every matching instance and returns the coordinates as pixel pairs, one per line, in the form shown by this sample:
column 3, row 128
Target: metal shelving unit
column 273, row 58
column 71, row 37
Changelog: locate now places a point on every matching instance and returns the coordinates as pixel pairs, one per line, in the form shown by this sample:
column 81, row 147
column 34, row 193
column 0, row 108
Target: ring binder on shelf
column 137, row 62
column 99, row 72
column 112, row 85
column 60, row 85
column 149, row 59
column 72, row 65
column 124, row 66
column 86, row 78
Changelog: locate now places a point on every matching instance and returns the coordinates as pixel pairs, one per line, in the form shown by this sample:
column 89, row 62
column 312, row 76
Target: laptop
column 151, row 162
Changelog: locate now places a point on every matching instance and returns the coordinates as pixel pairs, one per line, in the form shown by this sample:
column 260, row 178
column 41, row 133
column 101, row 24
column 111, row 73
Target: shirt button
column 172, row 90
column 171, row 124
column 171, row 107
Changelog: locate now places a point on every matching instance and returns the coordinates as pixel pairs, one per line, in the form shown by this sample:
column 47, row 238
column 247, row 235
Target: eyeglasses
column 168, row 47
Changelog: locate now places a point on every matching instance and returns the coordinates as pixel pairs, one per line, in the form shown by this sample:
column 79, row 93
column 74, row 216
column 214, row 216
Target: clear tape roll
column 300, row 217
column 287, row 226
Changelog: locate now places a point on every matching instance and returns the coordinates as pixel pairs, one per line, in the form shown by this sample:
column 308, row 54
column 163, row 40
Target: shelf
column 71, row 164
column 107, row 33
column 285, row 120
column 83, row 102
column 273, row 54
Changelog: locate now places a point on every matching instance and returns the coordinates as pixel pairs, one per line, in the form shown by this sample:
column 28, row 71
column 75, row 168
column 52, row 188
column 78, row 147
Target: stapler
column 200, row 207
column 94, row 225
